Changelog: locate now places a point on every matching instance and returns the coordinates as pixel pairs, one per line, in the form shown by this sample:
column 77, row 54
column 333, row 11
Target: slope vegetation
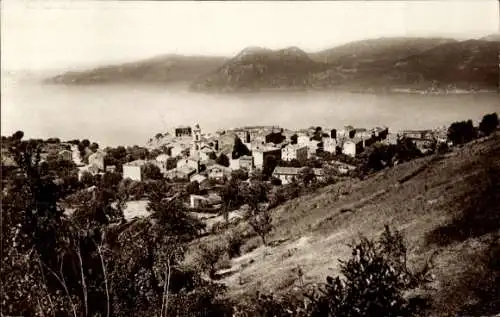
column 447, row 206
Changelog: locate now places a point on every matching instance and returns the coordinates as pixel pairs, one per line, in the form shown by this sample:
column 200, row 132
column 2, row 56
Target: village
column 187, row 155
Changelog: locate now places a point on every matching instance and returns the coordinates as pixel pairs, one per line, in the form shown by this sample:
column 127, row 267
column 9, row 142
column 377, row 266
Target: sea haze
column 131, row 114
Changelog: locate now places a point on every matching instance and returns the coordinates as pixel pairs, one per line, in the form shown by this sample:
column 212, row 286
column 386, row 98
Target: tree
column 85, row 143
column 94, row 147
column 18, row 135
column 239, row 149
column 171, row 163
column 193, row 188
column 461, row 132
column 230, row 194
column 222, row 160
column 239, row 174
column 53, row 140
column 151, row 171
column 208, row 256
column 270, row 163
column 261, row 223
column 489, row 123
column 87, row 179
column 294, row 139
column 307, row 175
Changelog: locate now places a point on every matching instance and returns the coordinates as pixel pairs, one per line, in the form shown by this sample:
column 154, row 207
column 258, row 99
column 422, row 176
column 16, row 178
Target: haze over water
column 126, row 115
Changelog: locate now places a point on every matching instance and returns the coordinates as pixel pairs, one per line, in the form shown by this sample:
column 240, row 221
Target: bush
column 234, row 240
column 461, row 132
column 489, row 123
column 250, row 245
column 208, row 256
column 375, row 281
column 261, row 224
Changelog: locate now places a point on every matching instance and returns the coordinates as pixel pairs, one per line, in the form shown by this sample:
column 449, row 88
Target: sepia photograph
column 250, row 158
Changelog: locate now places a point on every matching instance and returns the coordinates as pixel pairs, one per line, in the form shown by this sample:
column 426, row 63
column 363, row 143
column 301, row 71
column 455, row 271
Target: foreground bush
column 375, row 281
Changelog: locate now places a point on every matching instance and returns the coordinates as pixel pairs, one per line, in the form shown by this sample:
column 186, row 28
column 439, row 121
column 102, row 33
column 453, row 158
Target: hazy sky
column 38, row 35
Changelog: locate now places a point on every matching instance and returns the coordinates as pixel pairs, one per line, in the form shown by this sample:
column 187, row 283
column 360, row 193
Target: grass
column 435, row 193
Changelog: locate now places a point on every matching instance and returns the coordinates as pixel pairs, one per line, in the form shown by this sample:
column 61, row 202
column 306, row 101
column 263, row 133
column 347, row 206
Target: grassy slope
column 316, row 232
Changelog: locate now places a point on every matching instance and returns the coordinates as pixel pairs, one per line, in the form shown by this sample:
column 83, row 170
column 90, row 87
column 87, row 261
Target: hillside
column 162, row 69
column 383, row 64
column 381, row 51
column 446, row 206
column 256, row 68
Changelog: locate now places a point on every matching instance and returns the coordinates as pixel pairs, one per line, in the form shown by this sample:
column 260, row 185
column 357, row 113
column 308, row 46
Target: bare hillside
column 446, row 206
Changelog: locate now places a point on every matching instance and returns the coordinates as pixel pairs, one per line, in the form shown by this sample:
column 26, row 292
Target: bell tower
column 196, row 144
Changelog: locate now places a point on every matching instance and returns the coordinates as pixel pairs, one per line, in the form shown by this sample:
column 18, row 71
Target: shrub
column 250, row 245
column 208, row 255
column 489, row 123
column 375, row 281
column 234, row 240
column 261, row 224
column 461, row 132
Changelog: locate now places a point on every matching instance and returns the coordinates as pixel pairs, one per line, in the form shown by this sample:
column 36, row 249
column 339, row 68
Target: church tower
column 196, row 144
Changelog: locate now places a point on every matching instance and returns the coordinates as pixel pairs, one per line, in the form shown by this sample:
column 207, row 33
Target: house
column 319, row 173
column 330, row 145
column 162, row 158
column 424, row 145
column 287, row 175
column 91, row 169
column 347, row 132
column 303, row 139
column 341, row 167
column 198, row 201
column 97, row 159
column 183, row 131
column 218, row 172
column 133, row 170
column 189, row 162
column 390, row 139
column 198, row 178
column 182, row 173
column 243, row 162
column 76, row 157
column 352, row 147
column 261, row 155
column 381, row 133
column 243, row 135
column 177, row 150
column 416, row 134
column 313, row 147
column 161, row 161
column 206, row 153
column 294, row 152
column 66, row 155
column 363, row 133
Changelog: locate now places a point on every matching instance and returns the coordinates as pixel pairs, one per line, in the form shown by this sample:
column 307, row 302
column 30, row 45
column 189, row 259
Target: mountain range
column 368, row 65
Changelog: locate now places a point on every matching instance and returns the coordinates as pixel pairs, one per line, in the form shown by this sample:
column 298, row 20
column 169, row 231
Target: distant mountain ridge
column 161, row 69
column 369, row 65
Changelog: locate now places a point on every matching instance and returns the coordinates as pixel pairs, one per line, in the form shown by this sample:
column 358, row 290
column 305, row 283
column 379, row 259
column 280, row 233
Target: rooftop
column 136, row 163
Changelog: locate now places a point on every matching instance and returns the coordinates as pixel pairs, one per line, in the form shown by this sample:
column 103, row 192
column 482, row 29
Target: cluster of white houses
column 195, row 152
